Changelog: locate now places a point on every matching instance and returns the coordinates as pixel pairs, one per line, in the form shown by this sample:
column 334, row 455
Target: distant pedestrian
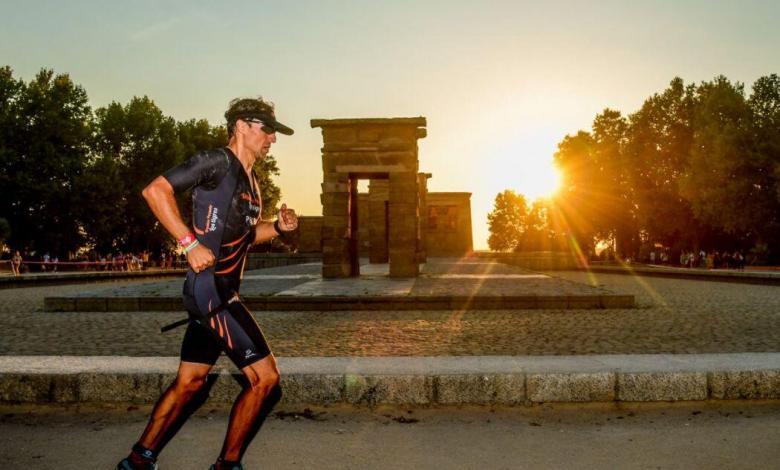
column 16, row 263
column 739, row 261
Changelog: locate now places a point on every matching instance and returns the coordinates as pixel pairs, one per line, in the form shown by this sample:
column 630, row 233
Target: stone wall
column 448, row 224
column 309, row 234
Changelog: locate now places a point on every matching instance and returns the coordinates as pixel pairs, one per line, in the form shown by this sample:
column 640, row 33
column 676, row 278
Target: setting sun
column 541, row 181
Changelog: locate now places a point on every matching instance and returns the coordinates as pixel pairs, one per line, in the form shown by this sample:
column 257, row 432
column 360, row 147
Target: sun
column 541, row 179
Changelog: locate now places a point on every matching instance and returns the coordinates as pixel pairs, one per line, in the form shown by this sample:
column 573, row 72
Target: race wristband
column 189, row 247
column 186, row 240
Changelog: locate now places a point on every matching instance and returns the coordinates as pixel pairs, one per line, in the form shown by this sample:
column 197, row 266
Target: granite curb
column 445, row 380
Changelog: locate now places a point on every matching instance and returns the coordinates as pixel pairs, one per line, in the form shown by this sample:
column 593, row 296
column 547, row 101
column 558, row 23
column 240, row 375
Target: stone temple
column 398, row 221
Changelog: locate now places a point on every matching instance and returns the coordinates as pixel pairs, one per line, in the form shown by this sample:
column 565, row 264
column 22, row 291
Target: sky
column 500, row 82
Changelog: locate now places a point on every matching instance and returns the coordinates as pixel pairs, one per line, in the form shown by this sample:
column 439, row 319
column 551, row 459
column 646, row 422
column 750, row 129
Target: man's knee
column 189, row 384
column 265, row 381
column 263, row 378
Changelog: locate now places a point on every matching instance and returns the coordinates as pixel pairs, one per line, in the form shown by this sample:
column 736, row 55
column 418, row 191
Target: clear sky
column 500, row 82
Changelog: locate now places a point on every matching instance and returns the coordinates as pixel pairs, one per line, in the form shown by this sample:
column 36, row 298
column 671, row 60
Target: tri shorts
column 233, row 330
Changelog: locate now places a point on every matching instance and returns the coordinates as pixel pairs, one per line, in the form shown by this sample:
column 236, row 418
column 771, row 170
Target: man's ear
column 241, row 126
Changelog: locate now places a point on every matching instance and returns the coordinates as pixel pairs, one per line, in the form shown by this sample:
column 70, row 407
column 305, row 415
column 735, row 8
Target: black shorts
column 233, row 330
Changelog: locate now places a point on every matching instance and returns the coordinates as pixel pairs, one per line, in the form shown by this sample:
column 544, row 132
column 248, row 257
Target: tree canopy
column 696, row 167
column 72, row 176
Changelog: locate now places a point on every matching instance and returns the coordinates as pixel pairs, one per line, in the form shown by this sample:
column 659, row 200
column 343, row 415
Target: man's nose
column 273, row 138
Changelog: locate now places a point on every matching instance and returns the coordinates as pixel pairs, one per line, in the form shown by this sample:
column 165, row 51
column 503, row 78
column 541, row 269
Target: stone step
column 447, row 380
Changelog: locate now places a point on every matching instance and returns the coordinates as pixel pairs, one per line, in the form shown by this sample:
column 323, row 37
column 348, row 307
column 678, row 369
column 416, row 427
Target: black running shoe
column 126, row 465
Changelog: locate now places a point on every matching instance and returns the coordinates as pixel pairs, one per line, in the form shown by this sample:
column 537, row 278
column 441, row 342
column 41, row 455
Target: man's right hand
column 200, row 258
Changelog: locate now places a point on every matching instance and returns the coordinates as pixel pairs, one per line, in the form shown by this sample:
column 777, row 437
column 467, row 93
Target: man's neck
column 244, row 156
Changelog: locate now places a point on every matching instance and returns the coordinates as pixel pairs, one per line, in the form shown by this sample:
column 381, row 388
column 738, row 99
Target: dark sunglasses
column 267, row 129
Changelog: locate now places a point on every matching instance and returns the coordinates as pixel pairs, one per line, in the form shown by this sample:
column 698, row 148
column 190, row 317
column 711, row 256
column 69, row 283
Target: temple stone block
column 387, row 219
column 448, row 224
column 310, row 234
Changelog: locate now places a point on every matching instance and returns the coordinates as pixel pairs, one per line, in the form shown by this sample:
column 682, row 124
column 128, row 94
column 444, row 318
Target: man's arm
column 160, row 197
column 287, row 222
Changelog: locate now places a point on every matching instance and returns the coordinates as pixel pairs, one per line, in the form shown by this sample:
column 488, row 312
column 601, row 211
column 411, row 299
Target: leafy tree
column 133, row 144
column 5, row 233
column 732, row 181
column 507, row 221
column 659, row 143
column 43, row 151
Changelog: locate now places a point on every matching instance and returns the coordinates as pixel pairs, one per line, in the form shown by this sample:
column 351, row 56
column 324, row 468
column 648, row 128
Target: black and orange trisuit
column 226, row 206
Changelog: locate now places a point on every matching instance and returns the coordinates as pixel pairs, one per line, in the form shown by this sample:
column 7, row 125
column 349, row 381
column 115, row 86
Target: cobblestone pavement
column 673, row 316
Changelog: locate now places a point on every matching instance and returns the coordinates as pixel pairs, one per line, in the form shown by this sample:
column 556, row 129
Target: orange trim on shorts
column 235, row 242
column 227, row 331
column 239, row 250
column 230, row 269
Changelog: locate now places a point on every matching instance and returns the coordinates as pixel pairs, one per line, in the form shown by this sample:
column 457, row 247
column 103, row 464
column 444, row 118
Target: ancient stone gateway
column 383, row 151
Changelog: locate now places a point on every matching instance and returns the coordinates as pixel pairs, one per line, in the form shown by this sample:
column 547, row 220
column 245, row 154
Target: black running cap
column 256, row 109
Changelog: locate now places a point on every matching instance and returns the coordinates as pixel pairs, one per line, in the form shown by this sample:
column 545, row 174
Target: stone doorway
column 384, row 151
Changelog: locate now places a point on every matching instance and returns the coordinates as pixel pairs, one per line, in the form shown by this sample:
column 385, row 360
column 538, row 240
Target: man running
column 226, row 223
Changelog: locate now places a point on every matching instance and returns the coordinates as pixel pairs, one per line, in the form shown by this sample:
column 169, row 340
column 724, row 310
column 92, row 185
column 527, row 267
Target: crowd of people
column 22, row 262
column 712, row 259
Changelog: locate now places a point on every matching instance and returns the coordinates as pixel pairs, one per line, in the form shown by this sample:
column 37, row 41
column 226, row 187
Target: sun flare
column 540, row 180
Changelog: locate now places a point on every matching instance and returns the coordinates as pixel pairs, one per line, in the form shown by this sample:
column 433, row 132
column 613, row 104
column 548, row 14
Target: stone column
column 378, row 196
column 354, row 249
column 335, row 225
column 422, row 181
column 404, row 224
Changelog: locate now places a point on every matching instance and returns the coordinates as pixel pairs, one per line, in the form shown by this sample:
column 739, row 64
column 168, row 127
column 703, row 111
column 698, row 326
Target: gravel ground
column 672, row 316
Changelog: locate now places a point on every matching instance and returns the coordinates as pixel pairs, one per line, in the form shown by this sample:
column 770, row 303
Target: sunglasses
column 265, row 128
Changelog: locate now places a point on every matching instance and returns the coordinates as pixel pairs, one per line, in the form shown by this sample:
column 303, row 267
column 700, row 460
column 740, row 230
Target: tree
column 507, row 221
column 5, row 233
column 659, row 145
column 133, row 144
column 44, row 150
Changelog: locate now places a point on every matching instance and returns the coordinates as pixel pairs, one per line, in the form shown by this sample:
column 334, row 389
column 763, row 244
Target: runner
column 226, row 223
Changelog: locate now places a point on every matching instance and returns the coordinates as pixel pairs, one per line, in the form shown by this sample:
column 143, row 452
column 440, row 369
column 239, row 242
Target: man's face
column 258, row 141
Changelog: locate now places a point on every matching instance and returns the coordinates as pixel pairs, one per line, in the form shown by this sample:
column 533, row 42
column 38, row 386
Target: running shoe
column 126, row 465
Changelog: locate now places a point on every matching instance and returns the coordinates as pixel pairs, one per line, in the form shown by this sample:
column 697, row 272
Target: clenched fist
column 200, row 258
column 288, row 221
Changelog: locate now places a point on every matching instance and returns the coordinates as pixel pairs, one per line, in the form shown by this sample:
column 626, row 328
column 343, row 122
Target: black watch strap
column 277, row 228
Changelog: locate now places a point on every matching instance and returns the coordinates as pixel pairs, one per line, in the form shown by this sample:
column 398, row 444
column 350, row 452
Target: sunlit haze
column 500, row 82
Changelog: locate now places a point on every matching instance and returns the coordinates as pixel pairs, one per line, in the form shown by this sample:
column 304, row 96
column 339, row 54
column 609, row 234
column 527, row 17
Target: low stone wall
column 275, row 260
column 535, row 261
column 480, row 380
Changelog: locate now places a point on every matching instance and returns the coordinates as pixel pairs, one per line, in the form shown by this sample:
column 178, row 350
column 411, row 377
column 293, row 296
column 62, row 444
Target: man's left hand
column 288, row 221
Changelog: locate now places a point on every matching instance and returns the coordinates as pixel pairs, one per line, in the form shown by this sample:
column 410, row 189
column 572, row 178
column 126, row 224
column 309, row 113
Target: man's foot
column 127, row 465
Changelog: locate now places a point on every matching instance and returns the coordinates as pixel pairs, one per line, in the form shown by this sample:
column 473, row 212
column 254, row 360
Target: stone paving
column 672, row 316
column 443, row 282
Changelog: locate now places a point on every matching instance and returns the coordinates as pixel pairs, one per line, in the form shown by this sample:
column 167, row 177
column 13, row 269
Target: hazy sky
column 500, row 82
